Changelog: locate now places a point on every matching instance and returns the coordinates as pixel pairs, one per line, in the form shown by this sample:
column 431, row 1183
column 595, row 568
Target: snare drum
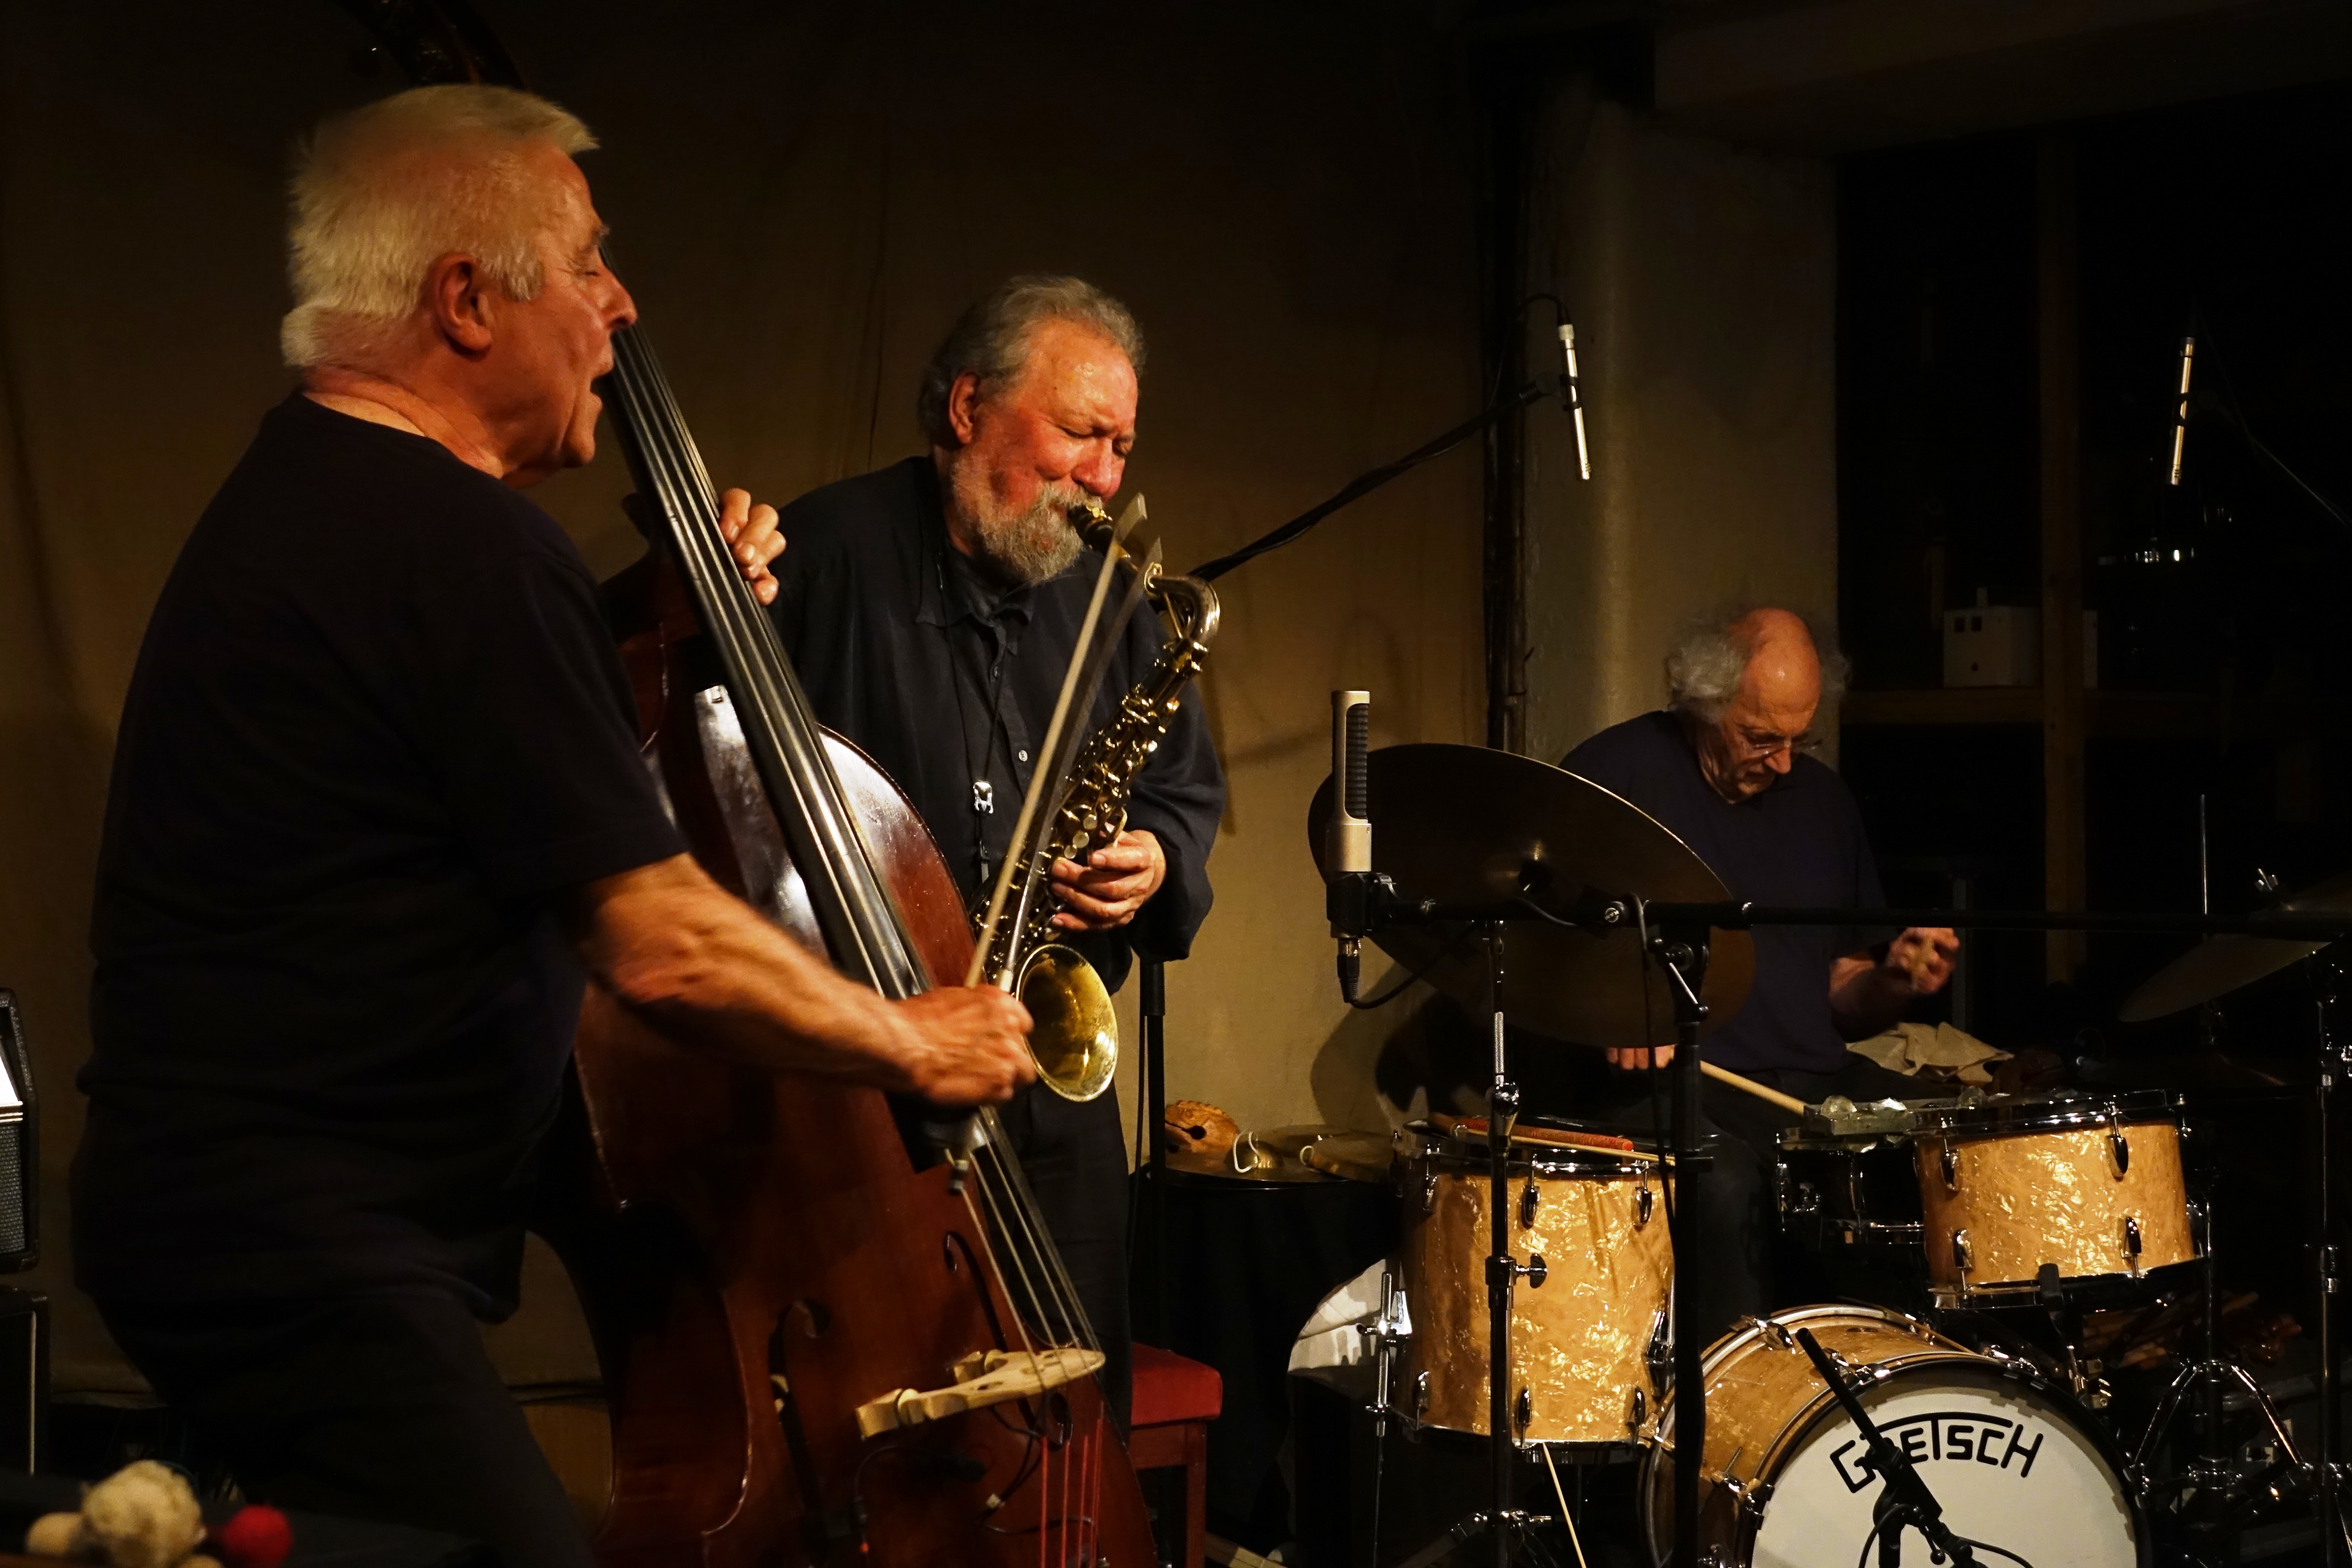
column 1786, row 1479
column 2093, row 1186
column 1590, row 1347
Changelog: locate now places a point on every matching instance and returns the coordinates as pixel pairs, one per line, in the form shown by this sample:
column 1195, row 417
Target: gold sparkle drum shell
column 1786, row 1479
column 1590, row 1347
column 2091, row 1187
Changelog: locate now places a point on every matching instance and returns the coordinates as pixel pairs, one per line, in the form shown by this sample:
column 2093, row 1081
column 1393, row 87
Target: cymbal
column 1472, row 827
column 2221, row 965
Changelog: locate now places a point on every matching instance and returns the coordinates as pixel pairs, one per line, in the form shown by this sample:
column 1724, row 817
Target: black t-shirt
column 377, row 724
column 948, row 682
column 1799, row 842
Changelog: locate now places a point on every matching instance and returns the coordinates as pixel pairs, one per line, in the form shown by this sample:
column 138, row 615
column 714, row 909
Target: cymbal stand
column 2212, row 1471
column 1680, row 950
column 2335, row 1548
column 1509, row 1531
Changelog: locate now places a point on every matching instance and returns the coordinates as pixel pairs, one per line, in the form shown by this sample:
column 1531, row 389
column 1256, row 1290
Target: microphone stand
column 1904, row 1500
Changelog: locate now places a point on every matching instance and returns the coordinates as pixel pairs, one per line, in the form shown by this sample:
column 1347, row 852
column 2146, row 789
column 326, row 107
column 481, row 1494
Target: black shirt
column 1797, row 842
column 376, row 723
column 946, row 681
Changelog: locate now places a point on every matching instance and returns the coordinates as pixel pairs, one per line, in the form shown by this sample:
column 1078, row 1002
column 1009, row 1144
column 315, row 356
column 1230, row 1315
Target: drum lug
column 1659, row 1356
column 1420, row 1394
column 1529, row 1197
column 1523, row 1410
column 2116, row 1144
column 2131, row 1242
column 1638, row 1413
column 1962, row 1258
column 1948, row 1158
column 1534, row 1270
column 1429, row 1189
column 1641, row 1200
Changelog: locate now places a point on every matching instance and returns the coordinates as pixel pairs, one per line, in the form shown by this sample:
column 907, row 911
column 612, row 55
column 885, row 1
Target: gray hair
column 1707, row 664
column 384, row 192
column 990, row 340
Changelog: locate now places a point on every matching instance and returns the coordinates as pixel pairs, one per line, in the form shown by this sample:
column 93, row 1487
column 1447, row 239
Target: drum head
column 2008, row 1464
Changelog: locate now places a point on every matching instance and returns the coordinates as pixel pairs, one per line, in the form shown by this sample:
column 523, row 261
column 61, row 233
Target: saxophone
column 1076, row 1034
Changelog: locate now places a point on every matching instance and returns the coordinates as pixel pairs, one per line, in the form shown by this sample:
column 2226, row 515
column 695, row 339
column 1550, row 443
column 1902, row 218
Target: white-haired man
column 1726, row 766
column 376, row 805
column 931, row 609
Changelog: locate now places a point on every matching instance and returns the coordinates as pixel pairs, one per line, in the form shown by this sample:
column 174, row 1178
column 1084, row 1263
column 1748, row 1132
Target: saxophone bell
column 1075, row 1037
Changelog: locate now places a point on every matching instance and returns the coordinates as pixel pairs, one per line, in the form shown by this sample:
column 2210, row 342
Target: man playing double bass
column 931, row 609
column 377, row 806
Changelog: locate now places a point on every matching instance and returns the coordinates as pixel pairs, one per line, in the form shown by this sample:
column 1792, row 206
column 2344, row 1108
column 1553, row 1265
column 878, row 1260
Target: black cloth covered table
column 1247, row 1262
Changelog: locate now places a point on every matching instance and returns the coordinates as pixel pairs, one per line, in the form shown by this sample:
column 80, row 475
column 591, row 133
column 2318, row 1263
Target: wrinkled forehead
column 1070, row 366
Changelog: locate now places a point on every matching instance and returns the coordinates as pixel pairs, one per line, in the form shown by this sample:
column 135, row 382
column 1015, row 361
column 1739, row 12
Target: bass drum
column 1787, row 1481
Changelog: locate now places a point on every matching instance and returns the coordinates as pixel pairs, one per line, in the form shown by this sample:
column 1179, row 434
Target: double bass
column 830, row 1328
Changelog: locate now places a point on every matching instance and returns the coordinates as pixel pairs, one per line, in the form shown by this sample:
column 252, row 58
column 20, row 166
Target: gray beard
column 1026, row 546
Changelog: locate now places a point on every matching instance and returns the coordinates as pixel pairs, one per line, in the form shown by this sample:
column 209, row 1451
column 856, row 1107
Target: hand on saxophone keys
column 1116, row 880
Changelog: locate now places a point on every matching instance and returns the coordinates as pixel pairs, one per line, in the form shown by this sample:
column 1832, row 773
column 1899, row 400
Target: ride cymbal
column 2221, row 965
column 1479, row 829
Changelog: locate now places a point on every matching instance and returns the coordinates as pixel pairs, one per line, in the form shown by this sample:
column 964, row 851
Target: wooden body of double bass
column 760, row 1255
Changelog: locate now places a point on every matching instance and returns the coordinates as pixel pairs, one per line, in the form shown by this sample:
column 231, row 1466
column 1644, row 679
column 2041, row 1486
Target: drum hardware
column 1386, row 1333
column 1905, row 1501
column 2131, row 1244
column 1787, row 1473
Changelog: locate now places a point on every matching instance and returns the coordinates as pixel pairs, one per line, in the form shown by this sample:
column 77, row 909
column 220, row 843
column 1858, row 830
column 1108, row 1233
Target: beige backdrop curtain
column 803, row 196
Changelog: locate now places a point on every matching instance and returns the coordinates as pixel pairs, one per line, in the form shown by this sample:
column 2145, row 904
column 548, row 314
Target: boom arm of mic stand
column 1365, row 484
column 1904, row 1499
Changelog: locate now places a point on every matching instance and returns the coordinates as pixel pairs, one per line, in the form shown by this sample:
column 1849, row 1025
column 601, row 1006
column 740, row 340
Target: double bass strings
column 777, row 716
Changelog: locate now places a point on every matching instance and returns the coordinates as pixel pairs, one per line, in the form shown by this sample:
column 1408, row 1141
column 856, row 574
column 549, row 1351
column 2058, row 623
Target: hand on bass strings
column 700, row 966
column 966, row 1045
column 1116, row 880
column 752, row 538
column 1632, row 1059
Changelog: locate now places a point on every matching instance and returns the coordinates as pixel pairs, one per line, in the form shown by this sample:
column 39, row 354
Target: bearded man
column 377, row 804
column 931, row 609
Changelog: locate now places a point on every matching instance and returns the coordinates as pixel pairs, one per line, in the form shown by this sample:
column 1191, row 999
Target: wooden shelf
column 2135, row 715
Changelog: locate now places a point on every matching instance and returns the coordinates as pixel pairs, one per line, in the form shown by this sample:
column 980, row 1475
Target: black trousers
column 1752, row 1269
column 380, row 1407
column 1076, row 1160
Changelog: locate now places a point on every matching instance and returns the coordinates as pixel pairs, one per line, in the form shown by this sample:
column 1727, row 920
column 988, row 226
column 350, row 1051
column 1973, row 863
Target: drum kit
column 1532, row 1303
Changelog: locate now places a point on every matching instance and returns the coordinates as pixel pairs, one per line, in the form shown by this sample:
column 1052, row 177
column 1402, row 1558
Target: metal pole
column 1684, row 955
column 1153, row 988
column 1502, row 1114
column 2331, row 1527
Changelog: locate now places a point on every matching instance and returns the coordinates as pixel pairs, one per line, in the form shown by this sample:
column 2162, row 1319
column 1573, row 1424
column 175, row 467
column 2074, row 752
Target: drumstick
column 1475, row 1127
column 1787, row 1103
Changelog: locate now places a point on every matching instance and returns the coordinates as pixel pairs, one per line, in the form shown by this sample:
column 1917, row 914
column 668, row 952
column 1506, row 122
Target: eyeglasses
column 1753, row 747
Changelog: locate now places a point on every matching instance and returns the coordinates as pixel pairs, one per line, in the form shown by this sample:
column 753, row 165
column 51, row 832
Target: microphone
column 2180, row 415
column 1347, row 839
column 1573, row 399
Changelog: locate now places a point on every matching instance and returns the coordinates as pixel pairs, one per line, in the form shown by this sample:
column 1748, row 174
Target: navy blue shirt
column 1797, row 842
column 947, row 681
column 377, row 727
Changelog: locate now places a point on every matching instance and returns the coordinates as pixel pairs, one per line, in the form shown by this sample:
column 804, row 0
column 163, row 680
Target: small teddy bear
column 145, row 1515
